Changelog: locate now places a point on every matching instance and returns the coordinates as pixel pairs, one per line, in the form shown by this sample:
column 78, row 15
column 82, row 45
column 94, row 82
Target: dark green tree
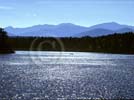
column 4, row 46
column 3, row 35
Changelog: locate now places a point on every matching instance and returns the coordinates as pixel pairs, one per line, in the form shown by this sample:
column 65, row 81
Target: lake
column 66, row 75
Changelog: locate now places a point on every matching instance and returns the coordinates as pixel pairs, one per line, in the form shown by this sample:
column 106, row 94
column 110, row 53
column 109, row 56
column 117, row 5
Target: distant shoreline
column 76, row 52
column 113, row 44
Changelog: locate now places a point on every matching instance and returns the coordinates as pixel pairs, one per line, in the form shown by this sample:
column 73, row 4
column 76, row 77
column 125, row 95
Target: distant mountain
column 61, row 30
column 95, row 32
column 125, row 30
column 68, row 29
column 105, row 29
column 109, row 26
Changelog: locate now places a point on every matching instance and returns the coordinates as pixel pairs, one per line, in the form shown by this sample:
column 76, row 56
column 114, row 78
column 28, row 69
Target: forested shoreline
column 115, row 43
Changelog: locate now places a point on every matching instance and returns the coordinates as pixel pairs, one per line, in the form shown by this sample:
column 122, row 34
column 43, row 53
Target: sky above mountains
column 23, row 13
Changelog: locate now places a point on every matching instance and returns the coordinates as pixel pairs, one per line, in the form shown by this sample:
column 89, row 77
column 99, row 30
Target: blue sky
column 23, row 13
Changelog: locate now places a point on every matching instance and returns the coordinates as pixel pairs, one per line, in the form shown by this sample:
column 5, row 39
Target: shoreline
column 75, row 51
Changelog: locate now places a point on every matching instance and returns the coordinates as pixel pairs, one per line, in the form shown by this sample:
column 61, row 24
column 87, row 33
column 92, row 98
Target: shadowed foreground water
column 69, row 75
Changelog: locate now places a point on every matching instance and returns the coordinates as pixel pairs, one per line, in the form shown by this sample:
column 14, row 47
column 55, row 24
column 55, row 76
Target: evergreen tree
column 3, row 37
column 4, row 46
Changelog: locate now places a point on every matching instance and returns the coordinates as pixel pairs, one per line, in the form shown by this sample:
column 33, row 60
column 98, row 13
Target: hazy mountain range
column 69, row 30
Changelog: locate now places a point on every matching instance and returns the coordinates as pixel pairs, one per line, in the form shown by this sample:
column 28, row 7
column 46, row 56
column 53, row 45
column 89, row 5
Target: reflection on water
column 69, row 75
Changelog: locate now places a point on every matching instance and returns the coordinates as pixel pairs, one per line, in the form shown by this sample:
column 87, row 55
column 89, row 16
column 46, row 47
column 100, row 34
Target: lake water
column 66, row 75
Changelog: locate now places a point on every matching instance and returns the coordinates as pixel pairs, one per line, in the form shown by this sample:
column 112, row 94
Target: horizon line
column 67, row 23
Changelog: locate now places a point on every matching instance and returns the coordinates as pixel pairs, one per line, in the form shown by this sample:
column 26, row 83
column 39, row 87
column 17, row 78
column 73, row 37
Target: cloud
column 6, row 8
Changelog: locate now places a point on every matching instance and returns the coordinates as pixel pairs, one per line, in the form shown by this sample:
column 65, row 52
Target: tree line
column 115, row 43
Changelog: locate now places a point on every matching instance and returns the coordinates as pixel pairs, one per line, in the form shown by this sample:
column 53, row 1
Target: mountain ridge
column 69, row 30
